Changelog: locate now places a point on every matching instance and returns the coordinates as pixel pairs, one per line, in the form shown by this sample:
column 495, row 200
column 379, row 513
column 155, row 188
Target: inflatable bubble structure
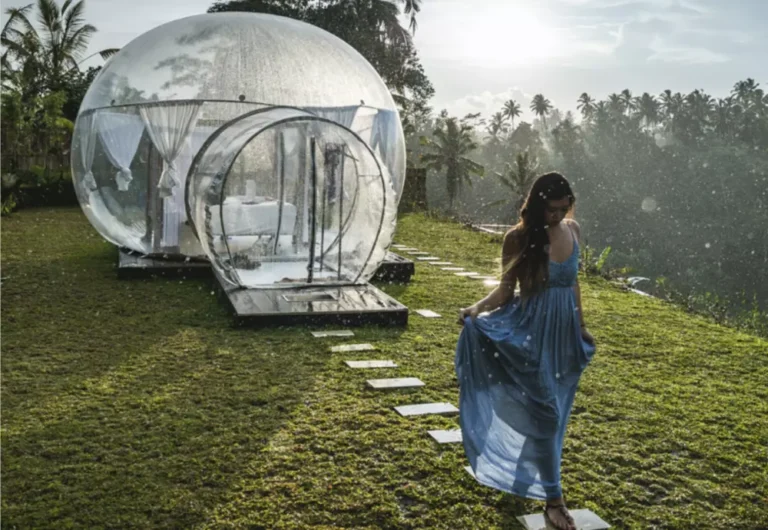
column 264, row 145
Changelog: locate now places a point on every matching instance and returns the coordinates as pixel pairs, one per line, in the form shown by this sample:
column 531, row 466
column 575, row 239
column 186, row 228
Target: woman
column 519, row 365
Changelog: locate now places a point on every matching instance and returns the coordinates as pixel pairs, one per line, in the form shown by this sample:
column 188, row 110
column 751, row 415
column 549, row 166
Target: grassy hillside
column 135, row 404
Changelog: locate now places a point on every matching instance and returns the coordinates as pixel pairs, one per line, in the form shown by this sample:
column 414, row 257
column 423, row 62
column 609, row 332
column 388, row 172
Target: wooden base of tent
column 349, row 305
column 394, row 268
column 131, row 265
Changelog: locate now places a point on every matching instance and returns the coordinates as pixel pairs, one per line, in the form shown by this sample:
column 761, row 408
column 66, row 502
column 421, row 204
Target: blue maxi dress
column 518, row 368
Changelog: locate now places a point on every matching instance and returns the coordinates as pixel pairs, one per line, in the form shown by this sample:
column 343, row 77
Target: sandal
column 564, row 511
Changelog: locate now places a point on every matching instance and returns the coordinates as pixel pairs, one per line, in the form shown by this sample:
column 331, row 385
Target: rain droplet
column 496, row 354
column 649, row 204
column 707, row 245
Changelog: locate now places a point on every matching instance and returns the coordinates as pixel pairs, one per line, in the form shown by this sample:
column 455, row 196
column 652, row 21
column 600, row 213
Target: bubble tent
column 262, row 144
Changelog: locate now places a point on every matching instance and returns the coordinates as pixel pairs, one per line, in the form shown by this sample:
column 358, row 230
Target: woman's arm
column 505, row 291
column 577, row 288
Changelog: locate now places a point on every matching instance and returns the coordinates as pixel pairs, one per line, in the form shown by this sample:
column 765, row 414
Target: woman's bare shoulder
column 574, row 224
column 511, row 239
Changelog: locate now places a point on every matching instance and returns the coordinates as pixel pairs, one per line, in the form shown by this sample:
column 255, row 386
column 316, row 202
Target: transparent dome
column 169, row 93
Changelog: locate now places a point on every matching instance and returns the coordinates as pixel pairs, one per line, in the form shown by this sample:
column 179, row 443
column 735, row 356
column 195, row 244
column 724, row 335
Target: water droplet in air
column 707, row 245
column 648, row 204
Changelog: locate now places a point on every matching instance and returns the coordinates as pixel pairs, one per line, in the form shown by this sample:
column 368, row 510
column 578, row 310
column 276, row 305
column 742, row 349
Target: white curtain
column 341, row 115
column 169, row 126
column 174, row 209
column 120, row 134
column 384, row 138
column 88, row 138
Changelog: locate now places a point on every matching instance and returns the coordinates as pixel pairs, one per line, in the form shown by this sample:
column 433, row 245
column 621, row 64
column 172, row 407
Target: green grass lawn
column 136, row 404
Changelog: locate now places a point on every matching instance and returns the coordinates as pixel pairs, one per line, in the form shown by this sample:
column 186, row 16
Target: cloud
column 664, row 52
column 488, row 103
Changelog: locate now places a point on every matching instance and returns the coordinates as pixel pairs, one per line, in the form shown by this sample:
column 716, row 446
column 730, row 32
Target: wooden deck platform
column 131, row 264
column 395, row 269
column 353, row 305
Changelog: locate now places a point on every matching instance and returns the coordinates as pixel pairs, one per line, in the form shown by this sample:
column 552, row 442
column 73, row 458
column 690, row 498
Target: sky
column 481, row 53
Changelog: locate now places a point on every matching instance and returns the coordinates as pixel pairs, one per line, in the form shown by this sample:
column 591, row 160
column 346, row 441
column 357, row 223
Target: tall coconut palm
column 61, row 39
column 627, row 100
column 699, row 106
column 511, row 111
column 616, row 105
column 586, row 106
column 647, row 109
column 541, row 106
column 518, row 178
column 723, row 116
column 411, row 8
column 498, row 125
column 673, row 110
column 742, row 90
column 450, row 148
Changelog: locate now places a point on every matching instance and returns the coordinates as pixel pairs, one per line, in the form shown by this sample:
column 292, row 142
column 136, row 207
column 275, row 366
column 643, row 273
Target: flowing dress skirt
column 518, row 369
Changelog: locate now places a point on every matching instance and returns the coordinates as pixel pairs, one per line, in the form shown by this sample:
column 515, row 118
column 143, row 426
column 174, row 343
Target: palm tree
column 627, row 101
column 62, row 38
column 616, row 105
column 586, row 105
column 451, row 145
column 647, row 109
column 497, row 126
column 541, row 106
column 518, row 177
column 673, row 109
column 411, row 8
column 723, row 116
column 744, row 89
column 511, row 111
column 699, row 106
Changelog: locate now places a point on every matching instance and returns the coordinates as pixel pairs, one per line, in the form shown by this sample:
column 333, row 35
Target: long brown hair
column 531, row 264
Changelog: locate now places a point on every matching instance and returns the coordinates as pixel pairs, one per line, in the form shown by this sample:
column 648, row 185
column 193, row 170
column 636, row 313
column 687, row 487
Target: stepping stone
column 405, row 249
column 401, row 247
column 371, row 364
column 584, row 519
column 429, row 258
column 446, row 437
column 426, row 408
column 340, row 333
column 441, row 263
column 418, row 253
column 395, row 382
column 492, row 283
column 485, row 278
column 428, row 313
column 352, row 347
column 451, row 268
column 466, row 274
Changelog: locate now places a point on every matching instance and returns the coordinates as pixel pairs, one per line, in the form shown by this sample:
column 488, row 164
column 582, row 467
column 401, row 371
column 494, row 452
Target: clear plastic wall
column 156, row 103
column 281, row 197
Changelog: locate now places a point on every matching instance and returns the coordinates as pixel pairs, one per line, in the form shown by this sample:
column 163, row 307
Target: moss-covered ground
column 136, row 404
